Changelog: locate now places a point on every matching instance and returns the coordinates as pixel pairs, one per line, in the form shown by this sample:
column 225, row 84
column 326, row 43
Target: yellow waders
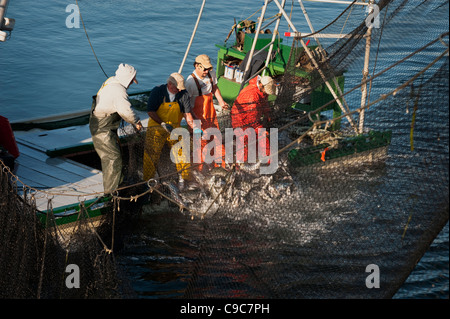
column 157, row 136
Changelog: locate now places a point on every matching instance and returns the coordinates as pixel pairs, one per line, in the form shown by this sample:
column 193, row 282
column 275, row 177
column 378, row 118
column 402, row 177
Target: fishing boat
column 314, row 115
column 254, row 42
column 56, row 167
column 67, row 135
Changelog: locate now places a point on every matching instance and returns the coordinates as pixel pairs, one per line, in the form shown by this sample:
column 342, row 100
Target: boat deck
column 64, row 181
column 42, row 167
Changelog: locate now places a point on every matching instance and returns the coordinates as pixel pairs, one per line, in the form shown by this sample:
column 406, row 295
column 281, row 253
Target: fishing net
column 358, row 187
column 42, row 258
column 359, row 193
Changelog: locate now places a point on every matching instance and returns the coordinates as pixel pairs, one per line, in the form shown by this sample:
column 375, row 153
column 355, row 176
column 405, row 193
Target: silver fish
column 198, row 176
column 219, row 171
column 200, row 179
column 175, row 192
column 249, row 167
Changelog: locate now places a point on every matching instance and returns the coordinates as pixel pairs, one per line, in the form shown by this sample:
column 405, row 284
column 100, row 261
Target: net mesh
column 344, row 197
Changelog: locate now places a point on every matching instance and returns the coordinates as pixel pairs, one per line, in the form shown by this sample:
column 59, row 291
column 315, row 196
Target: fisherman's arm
column 218, row 95
column 123, row 107
column 192, row 90
column 215, row 90
column 186, row 108
column 153, row 103
column 190, row 121
column 154, row 116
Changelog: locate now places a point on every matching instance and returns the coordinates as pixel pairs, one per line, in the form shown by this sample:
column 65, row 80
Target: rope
column 192, row 36
column 171, row 200
column 41, row 276
column 346, row 20
column 413, row 120
column 378, row 50
column 332, row 22
column 87, row 36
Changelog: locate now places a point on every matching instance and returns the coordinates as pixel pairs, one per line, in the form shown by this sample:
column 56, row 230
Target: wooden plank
column 63, row 169
column 56, row 139
column 38, row 177
column 61, row 193
column 64, row 181
column 23, row 180
column 67, row 137
column 62, row 163
column 46, row 178
column 51, row 170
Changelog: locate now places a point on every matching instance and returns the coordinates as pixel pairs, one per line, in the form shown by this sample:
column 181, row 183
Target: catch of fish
column 217, row 187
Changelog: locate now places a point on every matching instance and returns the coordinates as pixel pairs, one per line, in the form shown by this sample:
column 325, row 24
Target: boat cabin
column 231, row 64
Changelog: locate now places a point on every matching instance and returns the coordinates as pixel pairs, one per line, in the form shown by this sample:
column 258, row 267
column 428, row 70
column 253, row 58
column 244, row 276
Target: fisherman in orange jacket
column 251, row 109
column 202, row 85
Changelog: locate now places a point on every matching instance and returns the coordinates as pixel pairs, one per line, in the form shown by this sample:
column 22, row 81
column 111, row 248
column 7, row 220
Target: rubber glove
column 167, row 127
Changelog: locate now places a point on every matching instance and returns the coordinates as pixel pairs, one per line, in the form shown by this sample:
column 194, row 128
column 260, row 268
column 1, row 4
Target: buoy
column 323, row 154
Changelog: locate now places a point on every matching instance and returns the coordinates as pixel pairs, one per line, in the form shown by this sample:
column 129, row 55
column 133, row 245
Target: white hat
column 204, row 60
column 125, row 74
column 269, row 84
column 177, row 79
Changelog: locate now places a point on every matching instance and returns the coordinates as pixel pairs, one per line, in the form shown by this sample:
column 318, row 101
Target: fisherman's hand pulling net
column 167, row 127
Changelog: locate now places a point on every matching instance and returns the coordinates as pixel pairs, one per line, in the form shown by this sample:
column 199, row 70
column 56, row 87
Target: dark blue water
column 47, row 68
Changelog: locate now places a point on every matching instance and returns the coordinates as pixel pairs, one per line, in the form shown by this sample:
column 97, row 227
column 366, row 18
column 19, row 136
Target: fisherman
column 251, row 110
column 166, row 106
column 109, row 107
column 202, row 85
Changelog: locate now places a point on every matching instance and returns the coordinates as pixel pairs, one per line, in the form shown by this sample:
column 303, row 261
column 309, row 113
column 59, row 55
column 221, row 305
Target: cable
column 87, row 36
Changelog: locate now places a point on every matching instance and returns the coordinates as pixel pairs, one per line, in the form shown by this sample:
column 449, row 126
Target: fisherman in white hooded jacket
column 109, row 106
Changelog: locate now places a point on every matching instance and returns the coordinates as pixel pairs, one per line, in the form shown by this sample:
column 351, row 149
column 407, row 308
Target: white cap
column 178, row 80
column 269, row 84
column 125, row 74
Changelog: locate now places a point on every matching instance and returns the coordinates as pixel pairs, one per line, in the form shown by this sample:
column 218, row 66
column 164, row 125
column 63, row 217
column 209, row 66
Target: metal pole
column 320, row 46
column 192, row 36
column 365, row 72
column 309, row 22
column 275, row 31
column 340, row 2
column 308, row 52
column 252, row 50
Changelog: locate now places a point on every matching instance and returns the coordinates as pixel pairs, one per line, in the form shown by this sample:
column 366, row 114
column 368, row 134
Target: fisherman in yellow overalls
column 166, row 106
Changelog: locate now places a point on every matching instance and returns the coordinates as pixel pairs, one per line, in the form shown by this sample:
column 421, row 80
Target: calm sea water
column 47, row 68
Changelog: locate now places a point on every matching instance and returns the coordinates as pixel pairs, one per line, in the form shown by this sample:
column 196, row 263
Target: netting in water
column 355, row 200
column 43, row 259
column 349, row 192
